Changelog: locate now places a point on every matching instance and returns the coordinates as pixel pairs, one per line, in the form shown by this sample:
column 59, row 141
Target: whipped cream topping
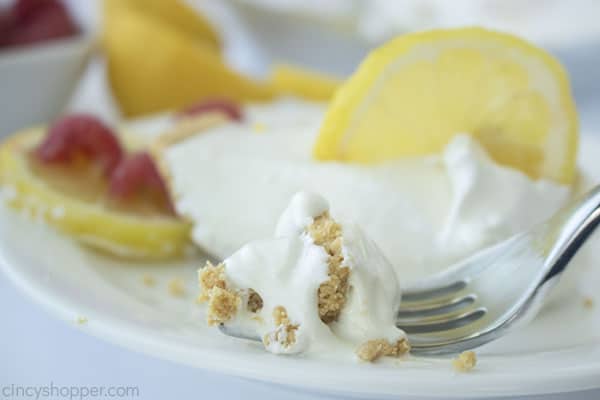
column 490, row 201
column 286, row 271
column 424, row 213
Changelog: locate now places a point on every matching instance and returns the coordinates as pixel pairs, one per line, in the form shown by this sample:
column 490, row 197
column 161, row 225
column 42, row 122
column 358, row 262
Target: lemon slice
column 118, row 233
column 304, row 83
column 413, row 94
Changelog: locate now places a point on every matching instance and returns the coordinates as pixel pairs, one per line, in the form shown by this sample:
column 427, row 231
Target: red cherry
column 84, row 136
column 138, row 174
column 230, row 109
column 24, row 9
column 7, row 22
column 38, row 20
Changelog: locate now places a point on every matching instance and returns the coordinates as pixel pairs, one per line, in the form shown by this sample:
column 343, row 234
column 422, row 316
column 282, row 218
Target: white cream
column 424, row 213
column 288, row 270
column 374, row 294
column 490, row 201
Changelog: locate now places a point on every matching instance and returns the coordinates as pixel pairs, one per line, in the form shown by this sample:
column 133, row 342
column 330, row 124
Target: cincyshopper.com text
column 80, row 392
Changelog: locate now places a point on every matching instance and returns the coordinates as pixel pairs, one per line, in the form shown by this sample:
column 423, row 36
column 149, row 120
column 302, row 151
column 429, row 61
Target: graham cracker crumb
column 259, row 127
column 374, row 349
column 588, row 302
column 280, row 316
column 285, row 333
column 223, row 302
column 177, row 287
column 255, row 302
column 327, row 233
column 149, row 280
column 186, row 128
column 209, row 277
column 222, row 305
column 465, row 362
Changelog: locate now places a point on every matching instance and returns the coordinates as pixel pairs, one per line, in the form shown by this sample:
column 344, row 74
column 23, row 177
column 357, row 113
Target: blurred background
column 126, row 58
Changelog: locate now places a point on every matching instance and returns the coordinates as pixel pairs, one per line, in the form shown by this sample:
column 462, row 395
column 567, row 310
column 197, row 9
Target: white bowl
column 36, row 81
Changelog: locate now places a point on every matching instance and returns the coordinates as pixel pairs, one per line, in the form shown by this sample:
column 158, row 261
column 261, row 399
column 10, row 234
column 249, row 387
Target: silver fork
column 485, row 296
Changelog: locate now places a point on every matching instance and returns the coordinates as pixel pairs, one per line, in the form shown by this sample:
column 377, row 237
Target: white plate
column 559, row 351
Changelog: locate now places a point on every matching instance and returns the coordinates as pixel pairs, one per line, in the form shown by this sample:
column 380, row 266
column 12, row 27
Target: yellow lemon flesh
column 413, row 94
column 304, row 83
column 85, row 217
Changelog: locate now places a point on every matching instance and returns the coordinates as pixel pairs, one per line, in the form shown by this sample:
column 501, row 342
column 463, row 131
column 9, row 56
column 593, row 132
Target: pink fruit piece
column 25, row 9
column 230, row 109
column 7, row 22
column 38, row 20
column 138, row 174
column 81, row 136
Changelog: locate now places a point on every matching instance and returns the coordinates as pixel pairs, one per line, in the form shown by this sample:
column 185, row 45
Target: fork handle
column 576, row 222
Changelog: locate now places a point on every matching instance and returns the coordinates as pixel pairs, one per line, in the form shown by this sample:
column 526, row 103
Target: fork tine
column 229, row 331
column 445, row 323
column 420, row 310
column 432, row 293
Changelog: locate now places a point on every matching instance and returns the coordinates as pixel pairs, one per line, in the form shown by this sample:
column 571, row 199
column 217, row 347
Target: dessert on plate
column 440, row 144
column 423, row 212
column 433, row 156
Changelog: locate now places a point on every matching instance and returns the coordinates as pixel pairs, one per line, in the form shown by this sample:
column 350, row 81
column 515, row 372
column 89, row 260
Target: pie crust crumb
column 285, row 331
column 177, row 287
column 223, row 302
column 148, row 280
column 222, row 305
column 465, row 362
column 327, row 233
column 374, row 349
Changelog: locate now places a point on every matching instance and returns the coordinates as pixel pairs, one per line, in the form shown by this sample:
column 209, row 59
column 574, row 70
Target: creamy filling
column 306, row 303
column 424, row 213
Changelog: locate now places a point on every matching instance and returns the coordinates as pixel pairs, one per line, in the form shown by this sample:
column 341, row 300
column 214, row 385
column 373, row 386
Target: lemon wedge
column 302, row 82
column 176, row 14
column 153, row 66
column 413, row 94
column 122, row 234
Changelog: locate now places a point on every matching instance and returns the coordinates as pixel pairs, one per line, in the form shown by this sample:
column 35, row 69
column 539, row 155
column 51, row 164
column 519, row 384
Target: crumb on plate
column 588, row 302
column 374, row 349
column 177, row 287
column 148, row 280
column 259, row 127
column 465, row 362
